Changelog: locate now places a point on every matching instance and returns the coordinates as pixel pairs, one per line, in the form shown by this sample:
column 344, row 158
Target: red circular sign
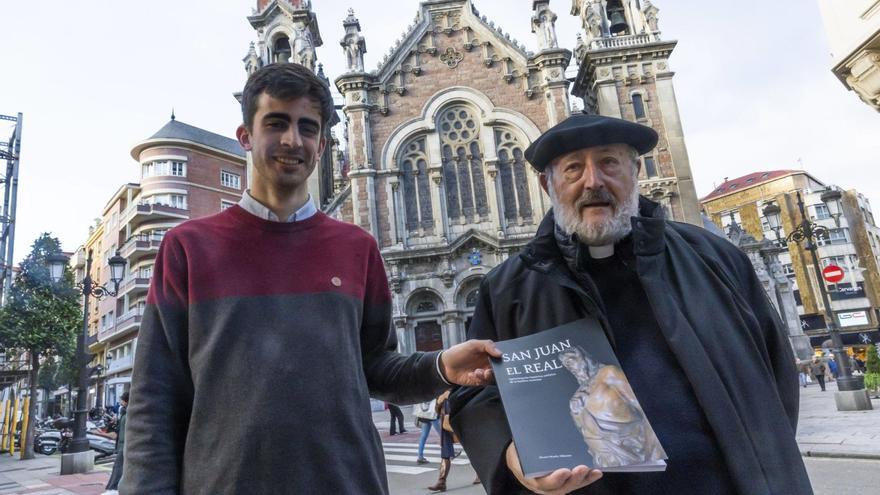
column 832, row 274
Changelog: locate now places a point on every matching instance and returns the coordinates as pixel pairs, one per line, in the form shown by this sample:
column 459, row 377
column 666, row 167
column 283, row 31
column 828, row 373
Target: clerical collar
column 601, row 252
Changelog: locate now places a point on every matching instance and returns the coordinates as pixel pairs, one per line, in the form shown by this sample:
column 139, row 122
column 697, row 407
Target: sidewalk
column 823, row 431
column 40, row 476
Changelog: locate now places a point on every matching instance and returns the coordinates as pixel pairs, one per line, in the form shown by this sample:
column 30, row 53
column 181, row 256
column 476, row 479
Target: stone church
column 433, row 163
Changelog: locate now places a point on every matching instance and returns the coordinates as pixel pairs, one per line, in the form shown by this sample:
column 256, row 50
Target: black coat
column 711, row 310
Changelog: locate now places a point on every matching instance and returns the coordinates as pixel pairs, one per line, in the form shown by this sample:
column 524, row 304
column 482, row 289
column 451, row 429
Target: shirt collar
column 254, row 207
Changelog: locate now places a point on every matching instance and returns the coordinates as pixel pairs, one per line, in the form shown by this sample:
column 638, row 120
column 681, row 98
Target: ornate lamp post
column 809, row 232
column 78, row 462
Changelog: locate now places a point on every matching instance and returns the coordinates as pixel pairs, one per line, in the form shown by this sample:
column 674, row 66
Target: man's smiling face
column 285, row 142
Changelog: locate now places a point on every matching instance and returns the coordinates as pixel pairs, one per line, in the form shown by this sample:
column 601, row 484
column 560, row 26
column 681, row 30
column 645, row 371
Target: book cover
column 568, row 403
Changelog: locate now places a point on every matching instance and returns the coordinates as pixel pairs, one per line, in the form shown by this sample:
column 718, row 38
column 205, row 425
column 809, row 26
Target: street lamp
column 809, row 232
column 79, row 445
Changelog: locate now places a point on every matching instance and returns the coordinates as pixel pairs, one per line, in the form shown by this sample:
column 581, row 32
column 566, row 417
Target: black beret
column 585, row 131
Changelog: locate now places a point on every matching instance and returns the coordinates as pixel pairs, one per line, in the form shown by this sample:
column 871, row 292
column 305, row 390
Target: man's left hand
column 468, row 363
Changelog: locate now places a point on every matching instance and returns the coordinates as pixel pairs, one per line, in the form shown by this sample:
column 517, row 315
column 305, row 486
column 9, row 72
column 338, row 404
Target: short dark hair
column 124, row 396
column 285, row 81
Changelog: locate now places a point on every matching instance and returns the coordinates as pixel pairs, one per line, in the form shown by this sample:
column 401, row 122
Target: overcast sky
column 93, row 77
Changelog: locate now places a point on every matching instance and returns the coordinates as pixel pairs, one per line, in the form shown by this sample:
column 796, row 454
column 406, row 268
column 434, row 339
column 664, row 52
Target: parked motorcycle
column 58, row 439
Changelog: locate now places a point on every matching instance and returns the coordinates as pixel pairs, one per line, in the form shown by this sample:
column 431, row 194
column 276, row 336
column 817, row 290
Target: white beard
column 609, row 231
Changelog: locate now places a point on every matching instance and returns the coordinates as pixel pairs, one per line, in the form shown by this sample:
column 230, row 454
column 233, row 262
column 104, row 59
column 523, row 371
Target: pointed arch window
column 463, row 177
column 416, row 186
column 650, row 167
column 512, row 171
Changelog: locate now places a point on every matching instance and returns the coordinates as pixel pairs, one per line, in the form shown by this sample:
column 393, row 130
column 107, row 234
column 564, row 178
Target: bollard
column 24, row 426
column 4, row 435
column 13, row 421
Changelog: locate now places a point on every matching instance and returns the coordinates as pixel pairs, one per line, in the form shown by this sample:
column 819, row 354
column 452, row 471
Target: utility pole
column 11, row 152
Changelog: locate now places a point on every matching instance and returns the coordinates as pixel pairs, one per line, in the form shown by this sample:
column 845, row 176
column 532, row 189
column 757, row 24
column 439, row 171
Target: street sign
column 832, row 274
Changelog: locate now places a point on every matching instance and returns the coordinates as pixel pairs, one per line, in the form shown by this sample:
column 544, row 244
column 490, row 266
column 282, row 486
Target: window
column 172, row 200
column 417, row 206
column 650, row 167
column 639, row 106
column 514, row 181
column 821, row 212
column 229, row 179
column 145, row 271
column 788, row 269
column 225, row 204
column 840, row 261
column 462, row 160
column 835, row 236
column 159, row 168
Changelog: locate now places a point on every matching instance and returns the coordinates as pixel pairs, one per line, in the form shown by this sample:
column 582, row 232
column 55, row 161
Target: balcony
column 138, row 213
column 125, row 324
column 139, row 247
column 624, row 41
column 120, row 364
column 134, row 286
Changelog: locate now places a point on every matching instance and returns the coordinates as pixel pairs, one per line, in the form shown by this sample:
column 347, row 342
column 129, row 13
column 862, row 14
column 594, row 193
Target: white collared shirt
column 254, row 207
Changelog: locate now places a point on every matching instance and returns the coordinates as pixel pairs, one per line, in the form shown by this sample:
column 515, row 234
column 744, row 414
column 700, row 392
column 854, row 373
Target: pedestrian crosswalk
column 400, row 458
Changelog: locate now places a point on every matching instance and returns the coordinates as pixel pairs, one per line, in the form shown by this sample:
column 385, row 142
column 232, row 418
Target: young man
column 273, row 302
column 678, row 305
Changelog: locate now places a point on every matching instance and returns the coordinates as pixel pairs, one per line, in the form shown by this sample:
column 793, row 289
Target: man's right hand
column 558, row 482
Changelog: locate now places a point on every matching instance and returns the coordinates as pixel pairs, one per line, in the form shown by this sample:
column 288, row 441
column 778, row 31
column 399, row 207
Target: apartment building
column 184, row 172
column 853, row 243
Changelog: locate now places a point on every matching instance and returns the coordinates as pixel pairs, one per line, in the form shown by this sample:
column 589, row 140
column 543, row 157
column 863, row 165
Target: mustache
column 591, row 196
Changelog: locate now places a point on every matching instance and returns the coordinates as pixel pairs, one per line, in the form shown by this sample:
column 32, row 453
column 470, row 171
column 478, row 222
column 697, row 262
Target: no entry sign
column 832, row 274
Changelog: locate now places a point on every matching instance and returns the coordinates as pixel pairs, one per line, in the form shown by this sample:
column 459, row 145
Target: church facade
column 433, row 165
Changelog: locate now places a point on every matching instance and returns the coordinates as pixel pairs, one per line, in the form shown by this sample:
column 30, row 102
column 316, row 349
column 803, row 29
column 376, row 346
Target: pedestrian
column 426, row 418
column 273, row 302
column 859, row 365
column 676, row 302
column 833, row 367
column 112, row 487
column 817, row 369
column 447, row 446
column 396, row 414
column 802, row 373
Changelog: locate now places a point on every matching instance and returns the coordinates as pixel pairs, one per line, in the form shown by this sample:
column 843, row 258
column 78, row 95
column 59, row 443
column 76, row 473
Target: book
column 569, row 403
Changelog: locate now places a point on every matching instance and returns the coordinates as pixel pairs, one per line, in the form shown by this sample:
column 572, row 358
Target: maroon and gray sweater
column 258, row 351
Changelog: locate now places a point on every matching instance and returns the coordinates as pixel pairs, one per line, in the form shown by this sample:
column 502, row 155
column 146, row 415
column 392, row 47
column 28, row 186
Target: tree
column 41, row 319
column 872, row 370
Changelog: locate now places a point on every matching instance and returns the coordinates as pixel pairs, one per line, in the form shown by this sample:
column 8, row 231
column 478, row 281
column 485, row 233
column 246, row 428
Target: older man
column 696, row 336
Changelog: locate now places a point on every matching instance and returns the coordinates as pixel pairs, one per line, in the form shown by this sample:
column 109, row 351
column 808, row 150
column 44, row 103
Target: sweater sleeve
column 477, row 415
column 161, row 387
column 391, row 376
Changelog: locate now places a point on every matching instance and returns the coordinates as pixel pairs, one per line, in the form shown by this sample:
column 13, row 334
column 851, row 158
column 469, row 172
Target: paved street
column 841, row 449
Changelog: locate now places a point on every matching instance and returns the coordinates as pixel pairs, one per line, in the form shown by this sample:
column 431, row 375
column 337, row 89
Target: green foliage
column 872, row 381
column 873, row 360
column 41, row 317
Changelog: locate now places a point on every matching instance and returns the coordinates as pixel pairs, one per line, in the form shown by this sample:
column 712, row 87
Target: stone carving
column 543, row 25
column 606, row 412
column 353, row 44
column 451, row 57
column 301, row 47
column 650, row 12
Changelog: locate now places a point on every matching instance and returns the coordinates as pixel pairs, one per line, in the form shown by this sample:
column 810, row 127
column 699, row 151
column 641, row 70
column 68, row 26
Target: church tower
column 287, row 31
column 624, row 72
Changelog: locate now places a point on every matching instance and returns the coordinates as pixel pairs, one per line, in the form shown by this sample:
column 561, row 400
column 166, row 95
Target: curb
column 840, row 455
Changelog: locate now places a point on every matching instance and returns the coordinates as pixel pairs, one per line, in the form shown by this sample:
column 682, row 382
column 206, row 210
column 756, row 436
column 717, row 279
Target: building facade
column 433, row 165
column 185, row 172
column 624, row 72
column 853, row 29
column 853, row 244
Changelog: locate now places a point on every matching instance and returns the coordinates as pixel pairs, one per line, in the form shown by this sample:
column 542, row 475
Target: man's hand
column 468, row 363
column 558, row 482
